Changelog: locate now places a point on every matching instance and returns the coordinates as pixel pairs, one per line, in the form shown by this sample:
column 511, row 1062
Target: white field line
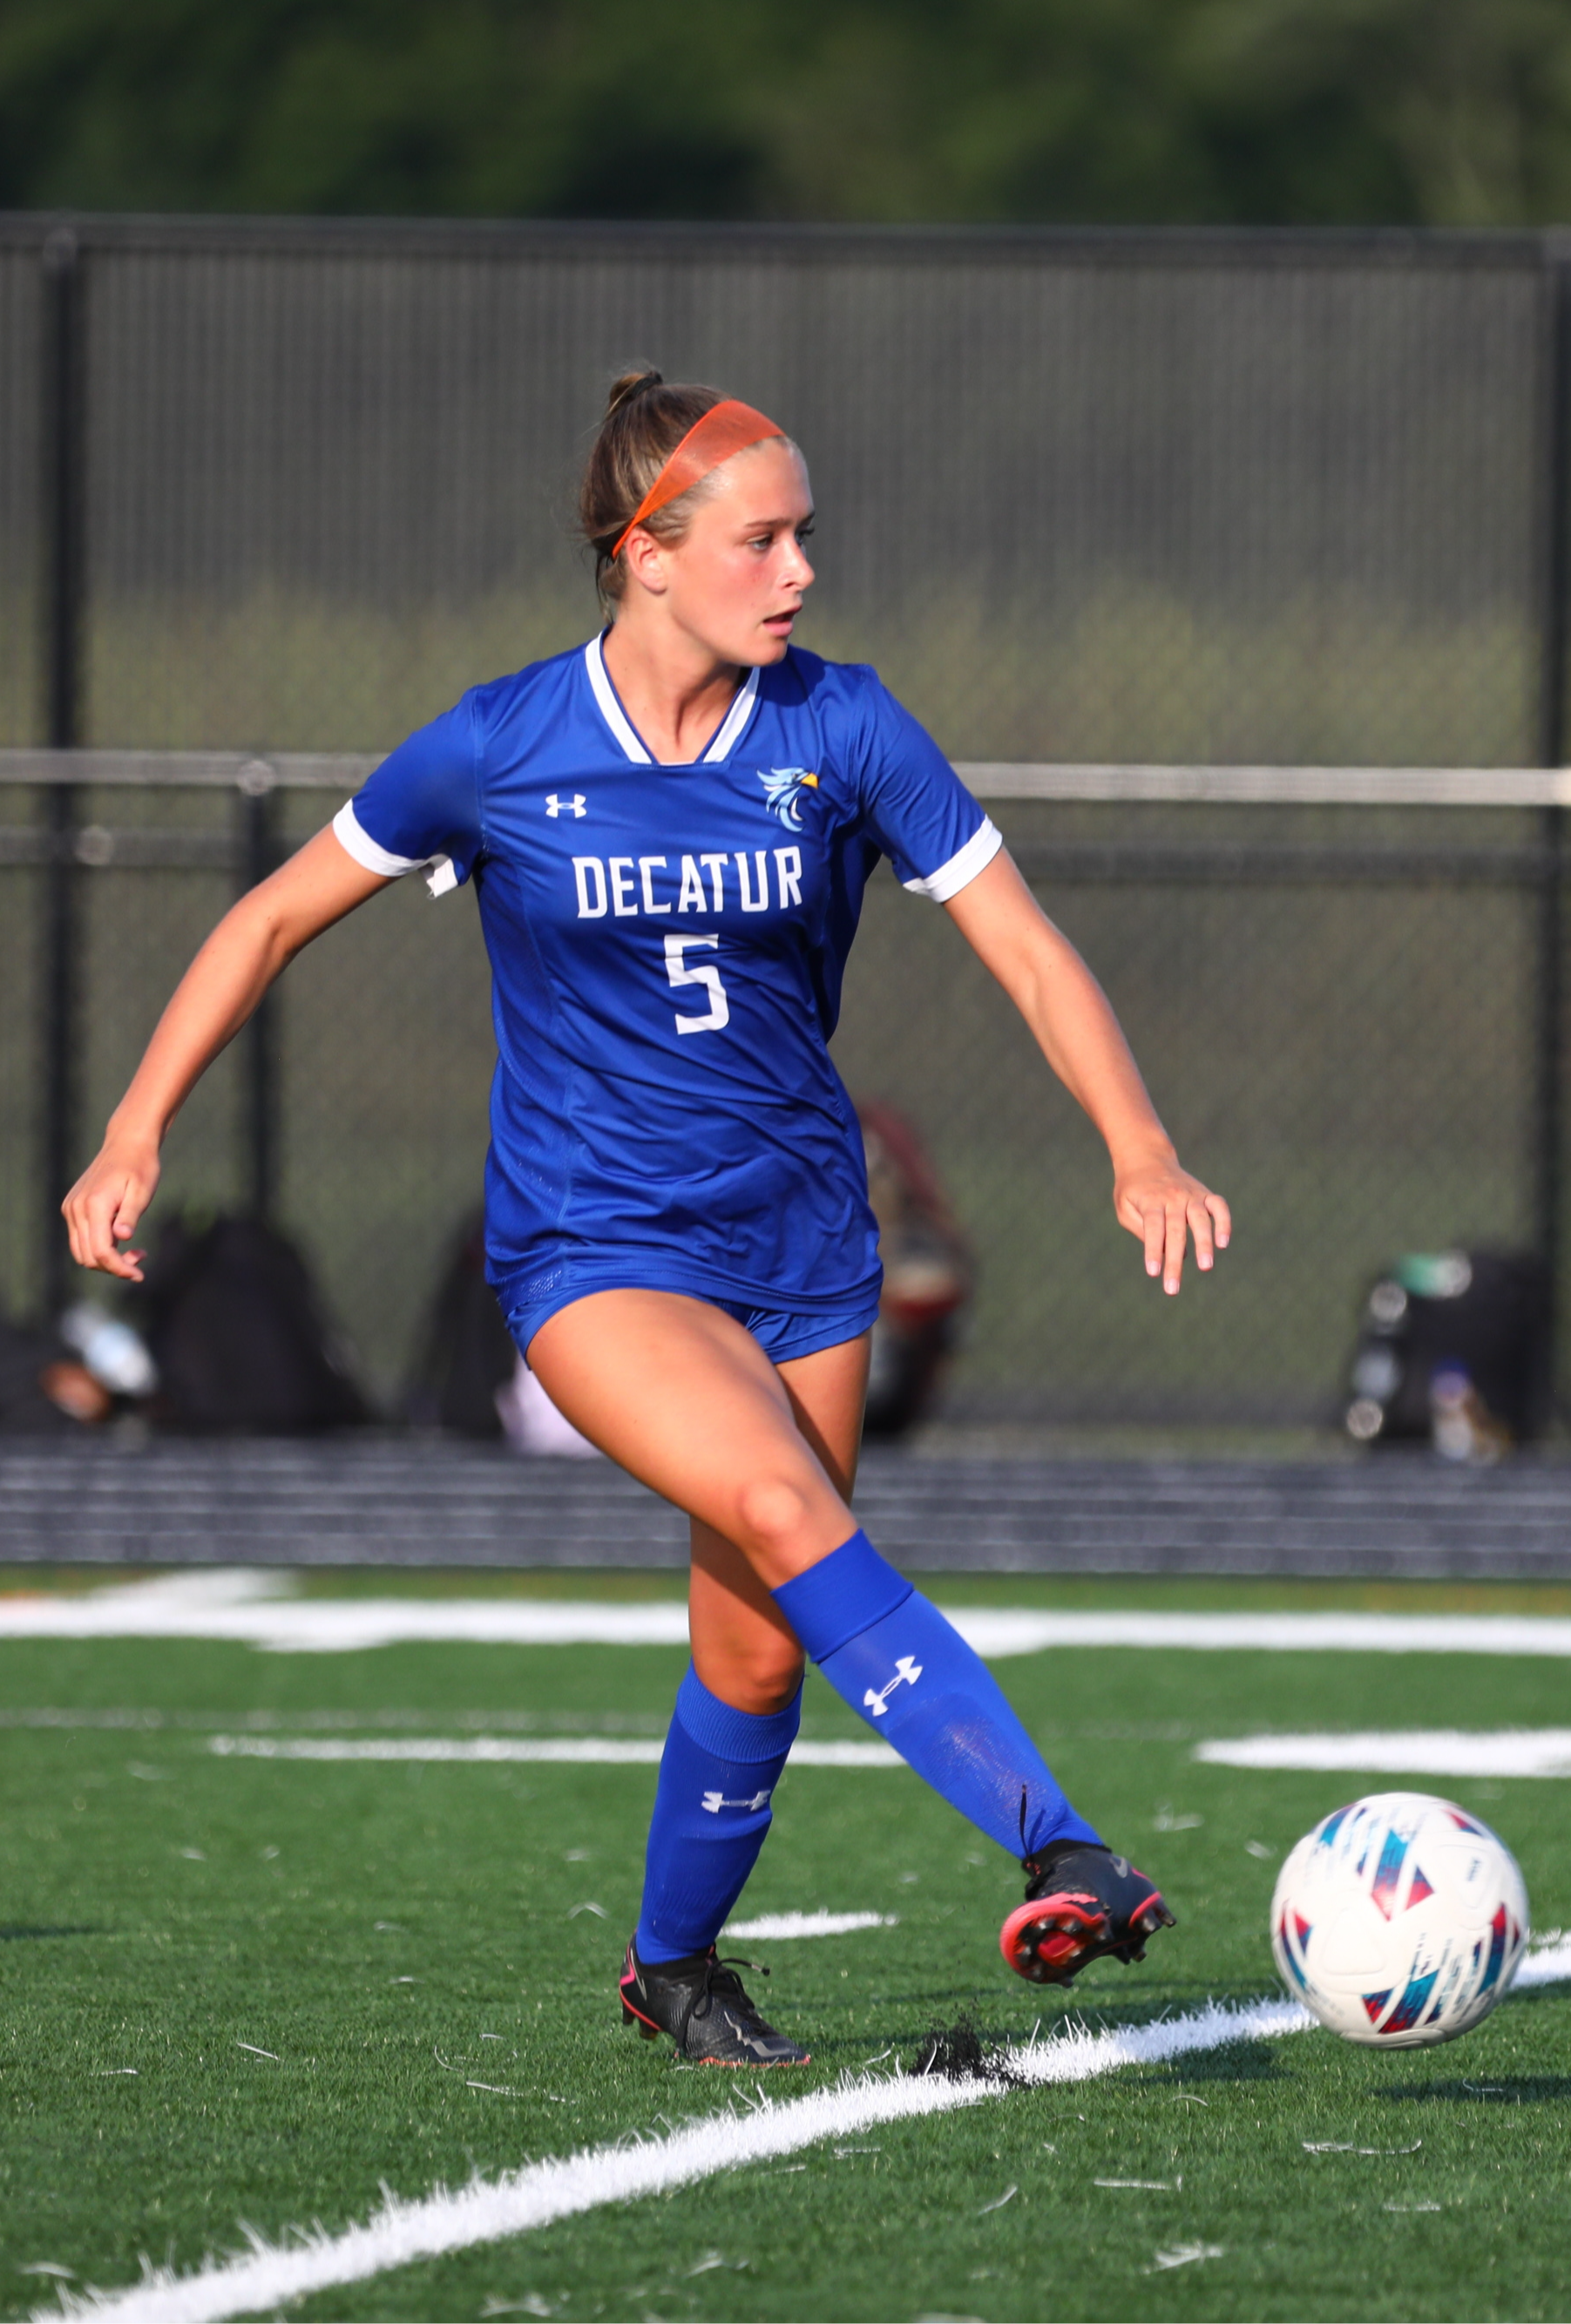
column 774, row 1926
column 1418, row 1751
column 1549, row 1962
column 250, row 1608
column 399, row 2234
column 576, row 1750
column 1013, row 1631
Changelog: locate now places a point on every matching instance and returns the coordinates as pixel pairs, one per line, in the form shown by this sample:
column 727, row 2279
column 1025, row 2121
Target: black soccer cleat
column 1081, row 1902
column 700, row 2002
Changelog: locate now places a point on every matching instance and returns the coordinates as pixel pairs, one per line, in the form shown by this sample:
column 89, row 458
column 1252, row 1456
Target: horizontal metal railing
column 255, row 772
column 250, row 772
column 253, row 777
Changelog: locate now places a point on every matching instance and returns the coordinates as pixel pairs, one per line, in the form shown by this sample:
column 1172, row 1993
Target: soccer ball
column 1400, row 1920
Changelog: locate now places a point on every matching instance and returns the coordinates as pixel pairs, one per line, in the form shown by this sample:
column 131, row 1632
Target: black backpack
column 233, row 1322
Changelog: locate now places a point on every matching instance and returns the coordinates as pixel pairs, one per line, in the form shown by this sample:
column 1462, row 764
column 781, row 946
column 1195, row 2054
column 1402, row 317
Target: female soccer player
column 670, row 830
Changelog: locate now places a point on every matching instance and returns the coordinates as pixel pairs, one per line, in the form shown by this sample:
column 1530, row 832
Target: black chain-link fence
column 1191, row 498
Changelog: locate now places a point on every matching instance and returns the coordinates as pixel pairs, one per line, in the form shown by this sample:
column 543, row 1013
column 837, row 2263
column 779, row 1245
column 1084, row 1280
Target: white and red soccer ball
column 1400, row 1920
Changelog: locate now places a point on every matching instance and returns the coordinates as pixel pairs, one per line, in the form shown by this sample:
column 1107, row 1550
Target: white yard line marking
column 1347, row 2146
column 1549, row 1962
column 269, row 2276
column 774, row 1926
column 255, row 1609
column 1417, row 1751
column 576, row 1750
column 1077, row 2056
column 1014, row 1631
column 261, row 1610
column 1181, row 2255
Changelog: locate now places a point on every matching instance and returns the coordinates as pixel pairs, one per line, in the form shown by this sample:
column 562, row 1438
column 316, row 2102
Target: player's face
column 737, row 579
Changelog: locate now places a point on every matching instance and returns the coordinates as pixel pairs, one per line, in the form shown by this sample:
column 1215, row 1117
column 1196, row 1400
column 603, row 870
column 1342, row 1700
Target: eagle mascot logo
column 782, row 791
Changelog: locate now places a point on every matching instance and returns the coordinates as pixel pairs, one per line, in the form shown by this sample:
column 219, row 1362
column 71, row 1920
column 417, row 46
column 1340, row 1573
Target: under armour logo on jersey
column 713, row 1802
column 876, row 1698
column 577, row 805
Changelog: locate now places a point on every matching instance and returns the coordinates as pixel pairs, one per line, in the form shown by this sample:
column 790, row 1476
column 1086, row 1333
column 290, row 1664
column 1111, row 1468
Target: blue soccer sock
column 711, row 1816
column 890, row 1653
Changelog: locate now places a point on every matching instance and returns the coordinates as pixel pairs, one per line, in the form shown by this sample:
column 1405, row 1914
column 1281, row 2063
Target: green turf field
column 391, row 1936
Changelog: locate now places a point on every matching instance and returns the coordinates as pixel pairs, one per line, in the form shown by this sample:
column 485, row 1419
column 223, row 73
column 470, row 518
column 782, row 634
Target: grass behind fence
column 1129, row 671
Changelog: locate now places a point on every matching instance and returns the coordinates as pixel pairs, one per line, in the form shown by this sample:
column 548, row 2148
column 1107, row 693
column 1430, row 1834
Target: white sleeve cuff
column 359, row 844
column 960, row 870
column 442, row 875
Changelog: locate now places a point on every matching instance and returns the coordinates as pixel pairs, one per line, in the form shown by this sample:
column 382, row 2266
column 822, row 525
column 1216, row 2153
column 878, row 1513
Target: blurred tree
column 1437, row 112
column 1443, row 112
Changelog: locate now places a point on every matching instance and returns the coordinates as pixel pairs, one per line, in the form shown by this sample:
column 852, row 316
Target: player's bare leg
column 750, row 1662
column 685, row 1399
column 744, row 1648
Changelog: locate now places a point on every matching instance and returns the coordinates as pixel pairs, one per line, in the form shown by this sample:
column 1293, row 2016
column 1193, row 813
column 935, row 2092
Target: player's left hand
column 1162, row 1205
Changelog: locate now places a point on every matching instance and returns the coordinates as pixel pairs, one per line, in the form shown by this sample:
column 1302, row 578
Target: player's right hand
column 103, row 1207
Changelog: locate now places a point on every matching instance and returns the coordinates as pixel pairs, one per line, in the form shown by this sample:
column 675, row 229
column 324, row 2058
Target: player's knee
column 762, row 1680
column 772, row 1513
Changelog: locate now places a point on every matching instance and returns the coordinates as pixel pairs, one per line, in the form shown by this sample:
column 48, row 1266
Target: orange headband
column 727, row 427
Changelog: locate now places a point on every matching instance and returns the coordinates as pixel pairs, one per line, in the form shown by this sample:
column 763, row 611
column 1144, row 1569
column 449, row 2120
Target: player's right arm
column 419, row 808
column 252, row 944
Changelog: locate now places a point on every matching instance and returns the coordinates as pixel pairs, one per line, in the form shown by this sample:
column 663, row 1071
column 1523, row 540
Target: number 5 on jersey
column 680, row 974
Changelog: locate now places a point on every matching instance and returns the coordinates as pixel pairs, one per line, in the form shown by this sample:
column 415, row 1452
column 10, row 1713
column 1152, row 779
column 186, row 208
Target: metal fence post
column 63, row 511
column 258, row 855
column 1554, row 610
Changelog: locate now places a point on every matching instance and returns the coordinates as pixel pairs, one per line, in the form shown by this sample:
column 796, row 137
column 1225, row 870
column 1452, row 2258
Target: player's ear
column 643, row 560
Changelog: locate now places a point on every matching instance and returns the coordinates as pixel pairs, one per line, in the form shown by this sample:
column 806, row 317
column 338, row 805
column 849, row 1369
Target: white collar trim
column 611, row 710
column 731, row 729
column 735, row 721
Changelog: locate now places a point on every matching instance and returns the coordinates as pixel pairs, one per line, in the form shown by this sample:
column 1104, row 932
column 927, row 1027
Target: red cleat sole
column 1050, row 1942
column 1047, row 1940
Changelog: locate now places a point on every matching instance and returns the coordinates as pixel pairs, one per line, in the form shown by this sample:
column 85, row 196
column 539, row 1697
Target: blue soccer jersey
column 667, row 947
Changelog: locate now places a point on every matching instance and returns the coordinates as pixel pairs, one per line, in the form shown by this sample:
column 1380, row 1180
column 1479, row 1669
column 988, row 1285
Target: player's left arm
column 1158, row 1201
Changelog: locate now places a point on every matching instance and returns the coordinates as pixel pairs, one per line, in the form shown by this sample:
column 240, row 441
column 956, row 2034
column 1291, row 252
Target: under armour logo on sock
column 876, row 1698
column 577, row 805
column 713, row 1802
